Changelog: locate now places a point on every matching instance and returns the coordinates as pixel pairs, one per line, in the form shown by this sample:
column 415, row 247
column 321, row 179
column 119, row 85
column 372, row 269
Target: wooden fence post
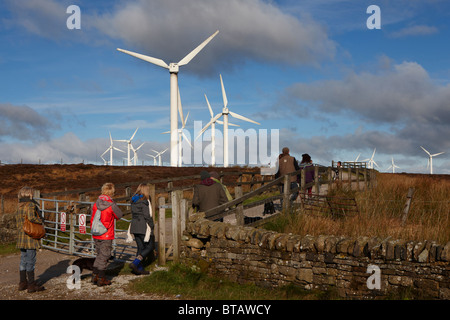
column 162, row 231
column 153, row 198
column 407, row 205
column 240, row 207
column 176, row 224
column 286, row 192
column 2, row 204
column 316, row 180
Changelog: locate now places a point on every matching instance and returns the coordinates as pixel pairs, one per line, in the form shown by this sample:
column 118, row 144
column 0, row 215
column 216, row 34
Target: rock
column 195, row 243
column 445, row 253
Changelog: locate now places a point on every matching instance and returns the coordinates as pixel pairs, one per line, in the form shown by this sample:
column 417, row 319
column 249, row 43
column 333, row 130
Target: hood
column 104, row 202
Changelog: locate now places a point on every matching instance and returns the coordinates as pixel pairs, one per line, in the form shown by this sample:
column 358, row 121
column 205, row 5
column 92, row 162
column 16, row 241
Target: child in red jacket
column 103, row 243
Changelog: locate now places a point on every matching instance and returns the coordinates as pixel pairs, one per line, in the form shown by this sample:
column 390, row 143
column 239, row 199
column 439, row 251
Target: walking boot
column 94, row 279
column 102, row 281
column 23, row 284
column 134, row 266
column 33, row 286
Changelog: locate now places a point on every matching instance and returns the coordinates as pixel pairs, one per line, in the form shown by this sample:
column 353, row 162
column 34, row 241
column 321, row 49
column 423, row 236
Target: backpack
column 97, row 228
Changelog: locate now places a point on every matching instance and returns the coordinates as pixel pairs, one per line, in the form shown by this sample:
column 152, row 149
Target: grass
column 380, row 212
column 190, row 282
column 7, row 249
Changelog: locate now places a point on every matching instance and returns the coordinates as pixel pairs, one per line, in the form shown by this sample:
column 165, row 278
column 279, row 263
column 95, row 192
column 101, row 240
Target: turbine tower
column 173, row 69
column 128, row 146
column 430, row 158
column 393, row 166
column 225, row 113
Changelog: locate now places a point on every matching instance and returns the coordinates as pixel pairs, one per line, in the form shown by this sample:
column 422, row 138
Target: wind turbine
column 213, row 130
column 393, row 166
column 173, row 69
column 225, row 113
column 110, row 149
column 128, row 146
column 135, row 158
column 371, row 161
column 154, row 158
column 430, row 159
column 158, row 154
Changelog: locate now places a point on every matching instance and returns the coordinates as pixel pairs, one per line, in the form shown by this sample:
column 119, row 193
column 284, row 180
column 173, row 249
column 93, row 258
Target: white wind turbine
column 213, row 130
column 128, row 146
column 158, row 154
column 393, row 166
column 430, row 158
column 135, row 157
column 110, row 149
column 154, row 158
column 225, row 113
column 173, row 69
column 371, row 162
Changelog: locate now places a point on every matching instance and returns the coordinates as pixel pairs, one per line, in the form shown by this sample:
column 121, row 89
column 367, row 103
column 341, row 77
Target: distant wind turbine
column 158, row 154
column 370, row 161
column 135, row 157
column 393, row 166
column 173, row 69
column 225, row 113
column 128, row 146
column 213, row 130
column 110, row 149
column 154, row 158
column 430, row 158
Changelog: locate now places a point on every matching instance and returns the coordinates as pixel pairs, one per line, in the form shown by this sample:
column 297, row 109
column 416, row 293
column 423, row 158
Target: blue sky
column 310, row 69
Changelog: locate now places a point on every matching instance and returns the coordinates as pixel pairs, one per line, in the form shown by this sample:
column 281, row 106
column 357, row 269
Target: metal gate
column 66, row 233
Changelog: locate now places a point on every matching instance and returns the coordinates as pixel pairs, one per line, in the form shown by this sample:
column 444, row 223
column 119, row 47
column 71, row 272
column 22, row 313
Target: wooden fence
column 247, row 185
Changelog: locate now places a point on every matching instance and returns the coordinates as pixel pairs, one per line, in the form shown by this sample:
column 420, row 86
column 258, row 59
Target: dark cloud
column 23, row 123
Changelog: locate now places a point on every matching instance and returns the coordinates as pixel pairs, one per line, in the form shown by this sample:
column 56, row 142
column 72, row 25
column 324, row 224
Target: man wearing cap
column 208, row 194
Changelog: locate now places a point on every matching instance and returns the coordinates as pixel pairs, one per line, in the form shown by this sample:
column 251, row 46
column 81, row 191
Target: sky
column 315, row 72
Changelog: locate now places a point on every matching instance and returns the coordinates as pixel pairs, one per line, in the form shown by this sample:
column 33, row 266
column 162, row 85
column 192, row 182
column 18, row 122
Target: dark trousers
column 144, row 248
column 103, row 250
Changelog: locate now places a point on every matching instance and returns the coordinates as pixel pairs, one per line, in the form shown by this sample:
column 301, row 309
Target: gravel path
column 51, row 270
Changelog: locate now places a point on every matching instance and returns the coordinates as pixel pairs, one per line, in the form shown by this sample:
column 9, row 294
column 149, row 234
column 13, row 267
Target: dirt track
column 51, row 270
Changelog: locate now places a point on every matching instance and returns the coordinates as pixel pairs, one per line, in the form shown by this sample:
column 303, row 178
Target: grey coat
column 140, row 212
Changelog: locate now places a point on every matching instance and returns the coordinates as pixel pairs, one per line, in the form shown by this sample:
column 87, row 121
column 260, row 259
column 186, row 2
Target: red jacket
column 110, row 212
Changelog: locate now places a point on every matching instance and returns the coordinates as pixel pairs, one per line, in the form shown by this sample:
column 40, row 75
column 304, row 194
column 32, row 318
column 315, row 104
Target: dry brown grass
column 381, row 211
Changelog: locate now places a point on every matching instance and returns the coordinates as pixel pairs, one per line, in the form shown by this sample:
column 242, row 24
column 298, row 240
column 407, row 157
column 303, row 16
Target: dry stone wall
column 354, row 267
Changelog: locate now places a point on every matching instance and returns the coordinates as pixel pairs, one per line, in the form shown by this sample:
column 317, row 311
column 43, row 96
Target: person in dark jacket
column 288, row 164
column 309, row 173
column 142, row 227
column 29, row 208
column 109, row 211
column 208, row 194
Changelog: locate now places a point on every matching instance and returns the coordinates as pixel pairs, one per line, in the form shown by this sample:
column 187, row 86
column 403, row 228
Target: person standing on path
column 27, row 208
column 142, row 227
column 109, row 211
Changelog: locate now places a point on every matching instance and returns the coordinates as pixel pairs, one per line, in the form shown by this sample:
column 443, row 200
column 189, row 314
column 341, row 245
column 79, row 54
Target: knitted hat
column 204, row 175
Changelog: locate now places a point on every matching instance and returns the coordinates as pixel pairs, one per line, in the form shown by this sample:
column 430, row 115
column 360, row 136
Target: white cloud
column 249, row 29
column 403, row 98
column 418, row 30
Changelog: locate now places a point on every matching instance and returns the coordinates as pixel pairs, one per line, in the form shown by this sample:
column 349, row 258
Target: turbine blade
column 208, row 124
column 224, row 94
column 209, row 106
column 134, row 134
column 156, row 61
column 180, row 109
column 238, row 116
column 425, row 150
column 187, row 140
column 194, row 52
column 117, row 149
column 436, row 154
column 229, row 123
